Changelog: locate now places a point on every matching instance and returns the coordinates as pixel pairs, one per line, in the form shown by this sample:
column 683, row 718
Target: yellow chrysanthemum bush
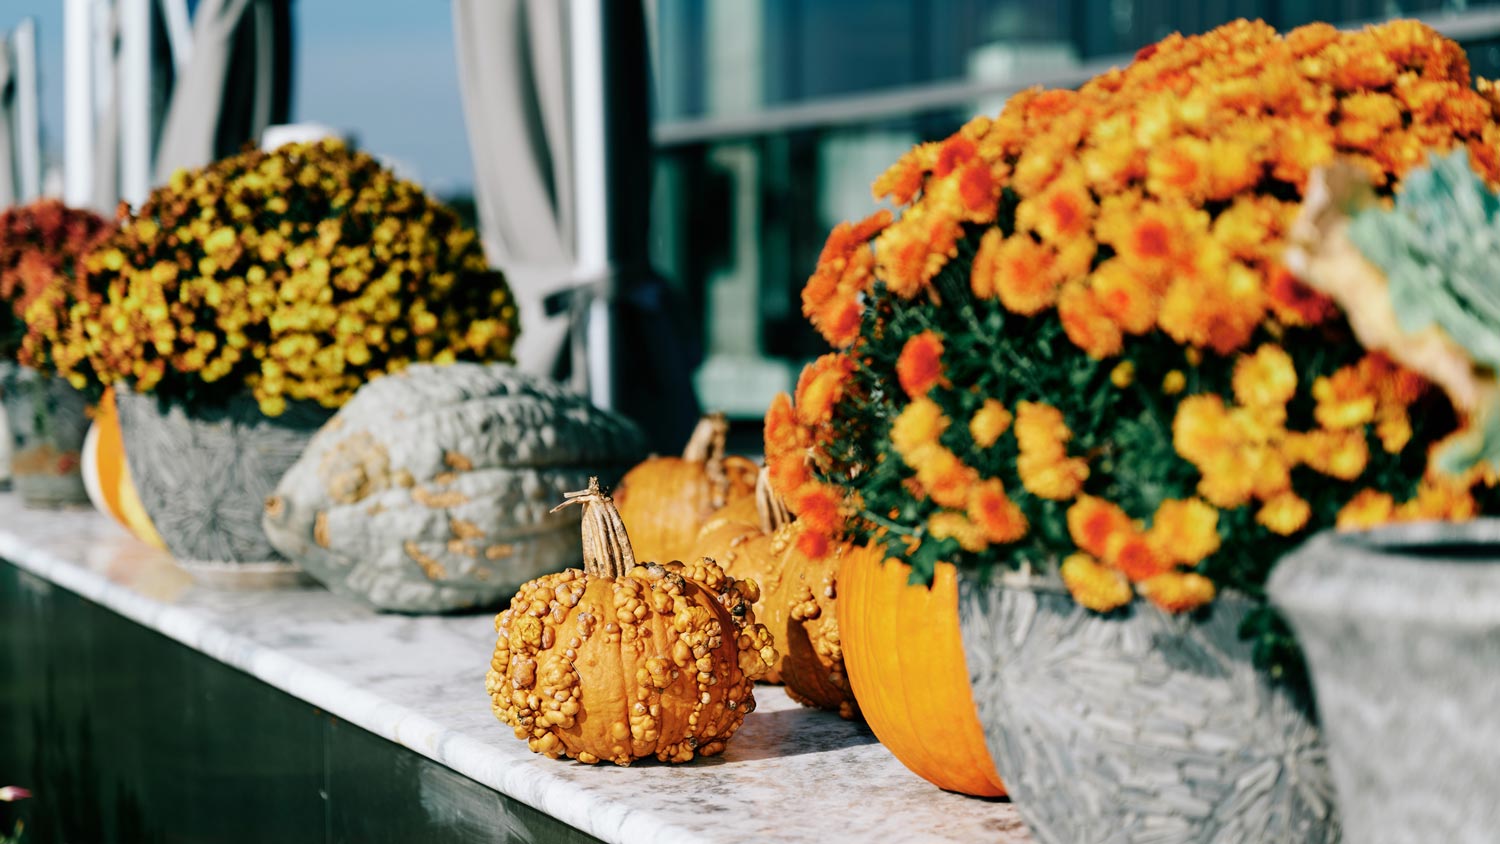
column 1074, row 346
column 296, row 274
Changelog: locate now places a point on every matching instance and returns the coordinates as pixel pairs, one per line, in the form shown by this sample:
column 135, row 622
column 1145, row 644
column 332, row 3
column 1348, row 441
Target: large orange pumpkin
column 905, row 659
column 665, row 500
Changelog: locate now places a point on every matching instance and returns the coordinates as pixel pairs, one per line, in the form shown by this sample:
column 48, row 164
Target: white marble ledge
column 791, row 774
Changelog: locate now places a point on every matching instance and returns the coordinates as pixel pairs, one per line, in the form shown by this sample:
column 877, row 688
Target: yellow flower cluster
column 1079, row 308
column 1044, row 466
column 296, row 274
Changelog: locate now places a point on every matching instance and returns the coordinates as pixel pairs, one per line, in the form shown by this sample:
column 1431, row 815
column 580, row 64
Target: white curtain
column 206, row 97
column 513, row 69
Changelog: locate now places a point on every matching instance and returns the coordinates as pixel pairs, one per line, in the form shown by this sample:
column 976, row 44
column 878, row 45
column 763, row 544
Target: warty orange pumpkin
column 739, row 537
column 666, row 500
column 757, row 539
column 801, row 612
column 904, row 655
column 621, row 661
column 742, row 537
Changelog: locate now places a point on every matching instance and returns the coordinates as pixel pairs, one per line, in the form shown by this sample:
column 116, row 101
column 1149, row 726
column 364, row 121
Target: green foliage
column 1125, row 434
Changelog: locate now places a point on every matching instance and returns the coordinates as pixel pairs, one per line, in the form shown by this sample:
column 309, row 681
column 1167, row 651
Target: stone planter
column 46, row 420
column 1139, row 726
column 5, row 447
column 1401, row 627
column 203, row 479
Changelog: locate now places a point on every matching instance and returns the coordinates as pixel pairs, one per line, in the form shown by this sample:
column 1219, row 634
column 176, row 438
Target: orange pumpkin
column 725, row 535
column 905, row 659
column 621, row 661
column 666, row 500
column 739, row 537
column 746, row 538
column 109, row 454
column 115, row 484
column 801, row 611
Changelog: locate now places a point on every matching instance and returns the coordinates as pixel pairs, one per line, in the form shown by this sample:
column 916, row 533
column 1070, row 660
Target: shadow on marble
column 790, row 732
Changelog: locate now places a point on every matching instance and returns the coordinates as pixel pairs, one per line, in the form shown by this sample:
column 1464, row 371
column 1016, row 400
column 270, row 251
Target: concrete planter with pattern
column 1139, row 726
column 46, row 421
column 203, row 478
column 1401, row 627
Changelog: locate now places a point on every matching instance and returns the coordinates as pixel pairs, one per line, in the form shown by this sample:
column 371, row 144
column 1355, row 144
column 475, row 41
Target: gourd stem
column 606, row 545
column 773, row 511
column 706, row 446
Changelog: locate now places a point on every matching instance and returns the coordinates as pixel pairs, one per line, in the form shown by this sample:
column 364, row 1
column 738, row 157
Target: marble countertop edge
column 477, row 760
column 793, row 774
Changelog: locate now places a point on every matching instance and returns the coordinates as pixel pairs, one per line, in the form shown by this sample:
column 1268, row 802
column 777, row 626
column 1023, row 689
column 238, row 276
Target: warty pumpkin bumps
column 756, row 538
column 621, row 661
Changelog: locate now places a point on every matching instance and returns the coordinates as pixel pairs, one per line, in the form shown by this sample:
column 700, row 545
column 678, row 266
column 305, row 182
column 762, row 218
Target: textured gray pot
column 1139, row 726
column 432, row 490
column 1401, row 627
column 47, row 420
column 203, row 478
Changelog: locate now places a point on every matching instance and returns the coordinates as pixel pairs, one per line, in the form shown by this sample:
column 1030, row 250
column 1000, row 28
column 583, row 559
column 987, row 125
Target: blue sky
column 385, row 73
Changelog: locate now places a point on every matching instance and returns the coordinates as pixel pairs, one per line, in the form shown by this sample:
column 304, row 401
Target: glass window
column 773, row 118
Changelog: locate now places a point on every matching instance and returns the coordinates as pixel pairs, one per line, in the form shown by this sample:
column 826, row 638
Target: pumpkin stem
column 772, row 509
column 606, row 545
column 706, row 446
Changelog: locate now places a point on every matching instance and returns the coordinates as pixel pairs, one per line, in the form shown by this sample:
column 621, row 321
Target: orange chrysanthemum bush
column 41, row 245
column 1074, row 347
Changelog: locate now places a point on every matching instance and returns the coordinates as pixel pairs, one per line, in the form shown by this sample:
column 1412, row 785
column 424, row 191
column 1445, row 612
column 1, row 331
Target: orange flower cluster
column 795, row 441
column 1079, row 310
column 1182, row 534
column 40, row 245
column 831, row 298
column 920, row 367
column 1044, row 466
column 1115, row 181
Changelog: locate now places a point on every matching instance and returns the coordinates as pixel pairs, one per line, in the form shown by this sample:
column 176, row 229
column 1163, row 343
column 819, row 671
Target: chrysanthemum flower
column 920, row 366
column 1095, row 586
column 989, row 422
column 1178, row 592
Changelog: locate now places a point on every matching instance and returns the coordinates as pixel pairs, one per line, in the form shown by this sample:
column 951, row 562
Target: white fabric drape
column 513, row 69
column 190, row 134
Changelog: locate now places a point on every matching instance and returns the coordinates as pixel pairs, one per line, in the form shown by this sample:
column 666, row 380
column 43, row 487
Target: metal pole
column 28, row 117
column 586, row 60
column 78, row 103
column 135, row 100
